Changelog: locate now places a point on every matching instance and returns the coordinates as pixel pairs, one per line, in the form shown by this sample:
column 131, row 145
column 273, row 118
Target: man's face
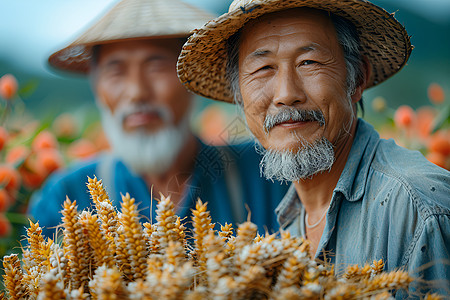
column 292, row 59
column 139, row 74
column 144, row 107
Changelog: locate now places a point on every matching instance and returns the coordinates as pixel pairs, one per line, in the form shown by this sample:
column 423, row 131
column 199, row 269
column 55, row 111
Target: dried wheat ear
column 109, row 254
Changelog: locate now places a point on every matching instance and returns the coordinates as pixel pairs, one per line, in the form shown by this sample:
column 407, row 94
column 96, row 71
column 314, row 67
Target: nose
column 288, row 87
column 137, row 86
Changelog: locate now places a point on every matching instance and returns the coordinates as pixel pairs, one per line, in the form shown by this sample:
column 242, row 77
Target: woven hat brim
column 130, row 20
column 77, row 56
column 202, row 62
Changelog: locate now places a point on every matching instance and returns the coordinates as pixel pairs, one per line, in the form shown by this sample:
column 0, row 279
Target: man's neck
column 315, row 193
column 173, row 182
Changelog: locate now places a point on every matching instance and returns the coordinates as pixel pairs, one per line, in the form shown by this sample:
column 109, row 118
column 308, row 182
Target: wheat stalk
column 107, row 254
column 75, row 246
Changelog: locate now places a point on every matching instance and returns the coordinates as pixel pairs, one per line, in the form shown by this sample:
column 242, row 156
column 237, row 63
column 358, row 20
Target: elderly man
column 298, row 69
column 130, row 55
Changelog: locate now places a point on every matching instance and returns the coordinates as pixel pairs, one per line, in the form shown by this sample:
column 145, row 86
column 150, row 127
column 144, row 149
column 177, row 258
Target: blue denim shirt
column 390, row 203
column 226, row 177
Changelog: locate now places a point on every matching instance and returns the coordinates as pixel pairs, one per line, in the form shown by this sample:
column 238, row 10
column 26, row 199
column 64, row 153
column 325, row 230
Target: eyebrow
column 156, row 57
column 263, row 53
column 151, row 58
column 110, row 63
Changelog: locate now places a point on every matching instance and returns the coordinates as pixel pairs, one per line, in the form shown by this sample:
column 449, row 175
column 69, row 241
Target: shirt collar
column 288, row 208
column 352, row 180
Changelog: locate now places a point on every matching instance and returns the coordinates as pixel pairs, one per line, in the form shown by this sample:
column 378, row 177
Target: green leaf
column 28, row 88
column 442, row 118
column 17, row 218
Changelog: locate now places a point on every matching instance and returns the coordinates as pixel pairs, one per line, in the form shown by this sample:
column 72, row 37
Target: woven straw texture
column 131, row 19
column 202, row 62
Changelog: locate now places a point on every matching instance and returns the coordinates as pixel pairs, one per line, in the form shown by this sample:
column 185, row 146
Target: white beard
column 297, row 164
column 310, row 159
column 143, row 152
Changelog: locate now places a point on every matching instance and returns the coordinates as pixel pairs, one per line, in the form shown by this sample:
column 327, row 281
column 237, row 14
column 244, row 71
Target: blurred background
column 31, row 30
column 56, row 111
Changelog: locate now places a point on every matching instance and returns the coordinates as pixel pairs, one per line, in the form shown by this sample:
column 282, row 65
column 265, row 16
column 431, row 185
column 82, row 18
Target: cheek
column 182, row 104
column 108, row 95
column 172, row 94
column 256, row 104
column 338, row 115
column 254, row 116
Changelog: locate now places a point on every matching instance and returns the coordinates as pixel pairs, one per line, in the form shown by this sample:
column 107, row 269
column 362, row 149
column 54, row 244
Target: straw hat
column 202, row 62
column 131, row 19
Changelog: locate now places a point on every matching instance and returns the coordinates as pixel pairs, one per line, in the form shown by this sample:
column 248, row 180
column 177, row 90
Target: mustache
column 123, row 111
column 290, row 113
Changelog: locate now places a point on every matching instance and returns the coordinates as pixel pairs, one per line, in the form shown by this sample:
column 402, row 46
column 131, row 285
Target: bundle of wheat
column 109, row 254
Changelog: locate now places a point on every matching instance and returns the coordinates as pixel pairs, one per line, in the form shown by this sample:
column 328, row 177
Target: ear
column 367, row 71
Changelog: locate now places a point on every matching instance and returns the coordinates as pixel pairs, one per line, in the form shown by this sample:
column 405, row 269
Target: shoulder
column 243, row 152
column 70, row 182
column 77, row 170
column 424, row 184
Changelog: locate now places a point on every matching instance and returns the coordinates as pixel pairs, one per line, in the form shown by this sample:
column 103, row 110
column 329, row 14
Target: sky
column 30, row 30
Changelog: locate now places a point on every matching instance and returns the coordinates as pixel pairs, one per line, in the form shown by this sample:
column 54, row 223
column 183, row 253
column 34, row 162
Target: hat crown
column 202, row 63
column 131, row 19
column 240, row 3
column 145, row 18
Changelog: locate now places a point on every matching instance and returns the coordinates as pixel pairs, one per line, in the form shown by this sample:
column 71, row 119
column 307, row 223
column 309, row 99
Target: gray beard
column 309, row 160
column 143, row 152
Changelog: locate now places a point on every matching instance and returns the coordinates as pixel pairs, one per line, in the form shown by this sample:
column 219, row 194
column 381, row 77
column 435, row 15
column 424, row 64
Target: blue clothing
column 390, row 203
column 226, row 177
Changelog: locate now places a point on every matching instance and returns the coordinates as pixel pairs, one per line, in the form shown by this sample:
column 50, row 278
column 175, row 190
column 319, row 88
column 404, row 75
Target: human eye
column 266, row 68
column 308, row 62
column 158, row 64
column 112, row 69
column 263, row 69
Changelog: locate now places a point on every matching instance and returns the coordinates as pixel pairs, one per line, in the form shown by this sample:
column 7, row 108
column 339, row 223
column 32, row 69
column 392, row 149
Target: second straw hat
column 130, row 19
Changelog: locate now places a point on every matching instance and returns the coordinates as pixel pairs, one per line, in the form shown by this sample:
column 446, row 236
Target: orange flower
column 424, row 121
column 33, row 173
column 3, row 137
column 4, row 200
column 9, row 177
column 97, row 136
column 437, row 159
column 8, row 86
column 16, row 154
column 212, row 126
column 436, row 93
column 404, row 116
column 49, row 160
column 440, row 143
column 81, row 149
column 65, row 125
column 379, row 104
column 5, row 226
column 31, row 178
column 44, row 140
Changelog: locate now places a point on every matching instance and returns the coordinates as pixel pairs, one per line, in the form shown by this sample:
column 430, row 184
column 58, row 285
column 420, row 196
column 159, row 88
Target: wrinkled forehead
column 293, row 30
column 163, row 46
column 287, row 21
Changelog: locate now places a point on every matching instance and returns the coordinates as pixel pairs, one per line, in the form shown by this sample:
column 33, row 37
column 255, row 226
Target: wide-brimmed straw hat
column 131, row 19
column 202, row 62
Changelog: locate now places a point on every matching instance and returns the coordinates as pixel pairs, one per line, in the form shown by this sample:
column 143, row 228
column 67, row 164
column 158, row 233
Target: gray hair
column 348, row 38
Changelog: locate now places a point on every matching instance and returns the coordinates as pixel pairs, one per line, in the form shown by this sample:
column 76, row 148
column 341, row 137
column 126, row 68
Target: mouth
column 293, row 118
column 290, row 124
column 141, row 119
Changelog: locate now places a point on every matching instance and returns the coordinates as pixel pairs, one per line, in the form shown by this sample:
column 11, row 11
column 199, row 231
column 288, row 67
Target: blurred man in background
column 130, row 55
